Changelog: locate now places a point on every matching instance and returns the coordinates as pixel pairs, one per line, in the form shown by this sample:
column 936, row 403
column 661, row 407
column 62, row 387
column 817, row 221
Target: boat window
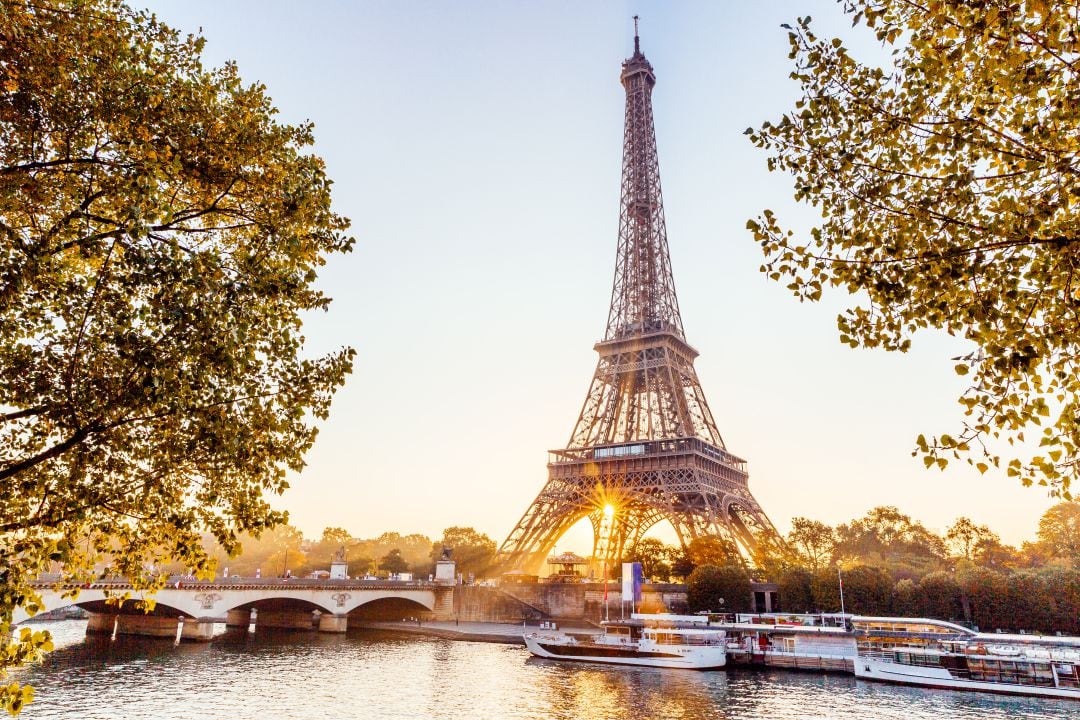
column 1067, row 676
column 925, row 660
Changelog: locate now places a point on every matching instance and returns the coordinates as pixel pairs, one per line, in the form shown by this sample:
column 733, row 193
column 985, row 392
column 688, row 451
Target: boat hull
column 795, row 661
column 696, row 658
column 882, row 671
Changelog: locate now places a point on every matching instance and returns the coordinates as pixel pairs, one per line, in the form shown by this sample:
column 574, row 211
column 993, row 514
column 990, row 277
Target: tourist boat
column 634, row 642
column 801, row 641
column 933, row 653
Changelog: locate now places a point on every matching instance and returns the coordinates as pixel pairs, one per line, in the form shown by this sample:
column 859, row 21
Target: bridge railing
column 189, row 582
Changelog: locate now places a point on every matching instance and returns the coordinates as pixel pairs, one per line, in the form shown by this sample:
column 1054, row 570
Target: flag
column 632, row 579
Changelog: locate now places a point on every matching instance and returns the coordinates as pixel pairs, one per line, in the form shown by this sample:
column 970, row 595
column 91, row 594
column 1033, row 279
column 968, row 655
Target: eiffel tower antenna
column 645, row 447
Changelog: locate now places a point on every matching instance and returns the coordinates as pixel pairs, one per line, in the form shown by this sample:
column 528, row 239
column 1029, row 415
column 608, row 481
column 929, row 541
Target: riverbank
column 507, row 633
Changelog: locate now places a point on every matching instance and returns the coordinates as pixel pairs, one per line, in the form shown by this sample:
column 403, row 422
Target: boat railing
column 795, row 654
column 712, row 639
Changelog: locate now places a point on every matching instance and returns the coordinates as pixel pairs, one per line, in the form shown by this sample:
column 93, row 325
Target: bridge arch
column 389, row 608
column 283, row 602
column 96, row 600
column 104, row 607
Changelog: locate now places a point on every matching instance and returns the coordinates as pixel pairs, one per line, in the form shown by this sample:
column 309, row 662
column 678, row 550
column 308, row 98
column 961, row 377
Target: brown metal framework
column 645, row 442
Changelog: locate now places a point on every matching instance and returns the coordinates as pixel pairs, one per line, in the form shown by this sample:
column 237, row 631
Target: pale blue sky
column 476, row 146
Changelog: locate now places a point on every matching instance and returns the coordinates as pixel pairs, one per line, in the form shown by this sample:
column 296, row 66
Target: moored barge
column 932, row 653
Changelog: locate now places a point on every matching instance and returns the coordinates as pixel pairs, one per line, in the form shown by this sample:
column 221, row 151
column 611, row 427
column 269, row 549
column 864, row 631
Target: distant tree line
column 284, row 550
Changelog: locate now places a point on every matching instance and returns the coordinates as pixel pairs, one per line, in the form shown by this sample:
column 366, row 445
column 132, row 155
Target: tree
column 359, row 565
column 335, row 536
column 719, row 589
column 393, row 562
column 1035, row 555
column 990, row 552
column 1059, row 531
column 655, row 558
column 322, row 552
column 887, row 536
column 867, row 590
column 161, row 233
column 906, row 600
column 941, row 596
column 472, row 551
column 712, row 550
column 964, row 538
column 681, row 564
column 415, row 549
column 825, row 588
column 948, row 201
column 814, row 541
column 983, row 595
column 1030, row 599
column 795, row 589
column 270, row 553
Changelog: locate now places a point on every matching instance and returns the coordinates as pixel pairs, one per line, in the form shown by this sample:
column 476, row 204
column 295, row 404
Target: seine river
column 270, row 675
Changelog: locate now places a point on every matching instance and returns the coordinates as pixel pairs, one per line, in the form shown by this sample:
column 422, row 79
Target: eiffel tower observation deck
column 646, row 446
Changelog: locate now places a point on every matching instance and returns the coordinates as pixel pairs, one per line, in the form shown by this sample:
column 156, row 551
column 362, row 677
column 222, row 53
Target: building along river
column 271, row 675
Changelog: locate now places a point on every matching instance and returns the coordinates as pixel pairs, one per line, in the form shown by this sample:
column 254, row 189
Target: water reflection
column 281, row 674
column 594, row 691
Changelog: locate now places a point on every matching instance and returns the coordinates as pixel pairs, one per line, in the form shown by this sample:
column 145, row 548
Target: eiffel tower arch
column 645, row 446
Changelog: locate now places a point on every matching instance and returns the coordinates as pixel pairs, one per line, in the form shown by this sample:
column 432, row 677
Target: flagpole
column 605, row 591
column 841, row 578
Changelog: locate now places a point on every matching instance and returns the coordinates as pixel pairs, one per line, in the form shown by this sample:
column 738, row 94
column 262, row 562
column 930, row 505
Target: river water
column 273, row 675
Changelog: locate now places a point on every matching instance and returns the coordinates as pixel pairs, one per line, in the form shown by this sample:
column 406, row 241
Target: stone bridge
column 189, row 609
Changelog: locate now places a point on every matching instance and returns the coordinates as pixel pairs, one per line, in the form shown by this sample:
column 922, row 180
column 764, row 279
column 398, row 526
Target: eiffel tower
column 645, row 447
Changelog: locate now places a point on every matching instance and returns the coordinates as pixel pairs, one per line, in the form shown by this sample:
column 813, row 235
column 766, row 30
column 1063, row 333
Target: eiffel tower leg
column 554, row 511
column 762, row 539
column 713, row 517
column 644, row 521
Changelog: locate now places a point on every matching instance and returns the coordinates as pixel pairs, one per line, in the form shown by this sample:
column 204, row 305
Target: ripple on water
column 282, row 675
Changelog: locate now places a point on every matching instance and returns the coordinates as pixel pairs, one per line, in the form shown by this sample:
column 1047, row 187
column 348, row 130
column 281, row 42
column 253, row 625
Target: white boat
column 633, row 642
column 932, row 653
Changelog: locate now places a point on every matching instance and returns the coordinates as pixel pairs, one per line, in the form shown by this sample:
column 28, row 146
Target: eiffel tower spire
column 645, row 442
column 643, row 297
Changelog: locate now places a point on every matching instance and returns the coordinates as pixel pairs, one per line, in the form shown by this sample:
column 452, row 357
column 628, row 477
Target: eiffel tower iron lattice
column 645, row 444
